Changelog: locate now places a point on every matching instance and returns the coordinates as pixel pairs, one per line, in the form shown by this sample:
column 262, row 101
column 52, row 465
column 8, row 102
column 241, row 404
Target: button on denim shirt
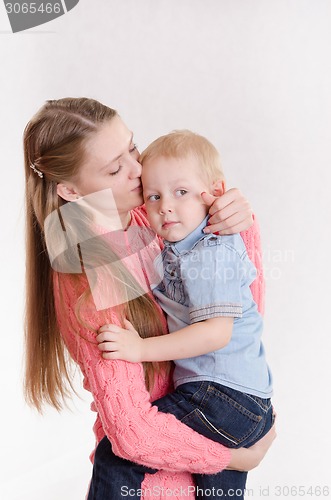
column 207, row 276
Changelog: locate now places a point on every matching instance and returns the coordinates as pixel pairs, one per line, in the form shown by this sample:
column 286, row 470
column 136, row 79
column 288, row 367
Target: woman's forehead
column 110, row 141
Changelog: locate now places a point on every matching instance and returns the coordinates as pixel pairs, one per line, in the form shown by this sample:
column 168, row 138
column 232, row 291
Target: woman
column 73, row 149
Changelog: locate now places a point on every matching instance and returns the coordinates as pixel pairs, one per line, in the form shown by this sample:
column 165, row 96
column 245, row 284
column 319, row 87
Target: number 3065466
column 33, row 8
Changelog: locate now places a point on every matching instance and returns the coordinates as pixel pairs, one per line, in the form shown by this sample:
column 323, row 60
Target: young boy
column 222, row 381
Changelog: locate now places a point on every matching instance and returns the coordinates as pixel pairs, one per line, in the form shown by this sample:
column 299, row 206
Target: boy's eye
column 181, row 192
column 133, row 148
column 154, row 197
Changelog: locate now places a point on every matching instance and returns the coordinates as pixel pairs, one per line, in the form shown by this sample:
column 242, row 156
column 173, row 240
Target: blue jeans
column 230, row 417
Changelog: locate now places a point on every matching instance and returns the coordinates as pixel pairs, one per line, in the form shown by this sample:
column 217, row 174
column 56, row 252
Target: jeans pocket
column 264, row 404
column 227, row 416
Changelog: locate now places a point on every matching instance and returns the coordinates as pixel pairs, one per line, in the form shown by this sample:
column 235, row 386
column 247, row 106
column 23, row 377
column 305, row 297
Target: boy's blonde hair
column 183, row 143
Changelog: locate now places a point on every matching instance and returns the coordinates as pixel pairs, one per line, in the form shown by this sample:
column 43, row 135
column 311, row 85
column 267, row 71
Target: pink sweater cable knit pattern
column 137, row 430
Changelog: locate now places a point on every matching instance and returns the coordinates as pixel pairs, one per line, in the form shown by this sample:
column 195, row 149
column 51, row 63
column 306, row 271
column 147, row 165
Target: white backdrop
column 254, row 76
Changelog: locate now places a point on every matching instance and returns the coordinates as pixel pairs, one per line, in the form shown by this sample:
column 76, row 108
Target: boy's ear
column 66, row 192
column 218, row 187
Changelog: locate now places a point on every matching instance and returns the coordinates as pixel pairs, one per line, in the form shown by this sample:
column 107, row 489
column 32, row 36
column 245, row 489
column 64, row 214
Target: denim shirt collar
column 189, row 241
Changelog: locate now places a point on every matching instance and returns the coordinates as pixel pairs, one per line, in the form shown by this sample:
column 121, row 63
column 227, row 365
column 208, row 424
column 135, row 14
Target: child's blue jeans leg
column 114, row 477
column 230, row 417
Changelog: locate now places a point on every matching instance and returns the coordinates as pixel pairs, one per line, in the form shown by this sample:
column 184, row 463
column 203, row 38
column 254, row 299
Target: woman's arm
column 137, row 430
column 140, row 433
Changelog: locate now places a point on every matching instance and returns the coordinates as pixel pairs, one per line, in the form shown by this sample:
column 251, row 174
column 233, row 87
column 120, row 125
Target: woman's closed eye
column 116, row 171
column 133, row 149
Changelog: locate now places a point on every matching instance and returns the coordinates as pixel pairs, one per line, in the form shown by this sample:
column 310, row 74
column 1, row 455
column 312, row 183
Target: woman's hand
column 120, row 343
column 229, row 214
column 245, row 459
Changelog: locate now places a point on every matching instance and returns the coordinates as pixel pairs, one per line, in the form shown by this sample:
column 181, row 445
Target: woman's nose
column 135, row 168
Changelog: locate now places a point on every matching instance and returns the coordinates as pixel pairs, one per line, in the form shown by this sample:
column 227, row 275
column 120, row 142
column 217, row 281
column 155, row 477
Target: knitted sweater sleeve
column 253, row 245
column 136, row 429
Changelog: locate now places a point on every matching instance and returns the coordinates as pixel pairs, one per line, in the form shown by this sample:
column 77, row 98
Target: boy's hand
column 229, row 214
column 120, row 343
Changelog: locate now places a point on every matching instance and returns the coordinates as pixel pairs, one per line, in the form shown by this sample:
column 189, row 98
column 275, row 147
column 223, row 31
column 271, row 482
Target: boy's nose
column 164, row 209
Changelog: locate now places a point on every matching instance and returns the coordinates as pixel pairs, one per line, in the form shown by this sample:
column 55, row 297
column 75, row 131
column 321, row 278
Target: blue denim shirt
column 206, row 276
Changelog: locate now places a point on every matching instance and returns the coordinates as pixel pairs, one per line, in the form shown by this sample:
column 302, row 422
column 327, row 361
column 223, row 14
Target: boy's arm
column 211, row 324
column 193, row 340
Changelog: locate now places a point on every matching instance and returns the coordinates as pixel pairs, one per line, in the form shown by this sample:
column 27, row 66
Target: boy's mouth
column 167, row 224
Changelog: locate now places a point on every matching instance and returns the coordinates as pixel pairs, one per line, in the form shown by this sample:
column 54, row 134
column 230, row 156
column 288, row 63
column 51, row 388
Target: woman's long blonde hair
column 54, row 146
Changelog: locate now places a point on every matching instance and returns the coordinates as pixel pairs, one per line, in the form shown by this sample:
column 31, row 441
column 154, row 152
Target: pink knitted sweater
column 136, row 429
